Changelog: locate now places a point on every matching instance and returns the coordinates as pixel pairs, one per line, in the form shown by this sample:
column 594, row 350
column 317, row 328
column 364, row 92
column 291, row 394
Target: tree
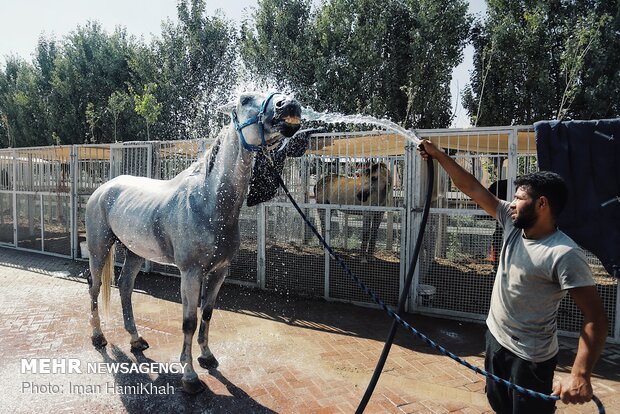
column 23, row 111
column 91, row 66
column 194, row 65
column 117, row 102
column 388, row 59
column 549, row 59
column 92, row 117
column 146, row 106
column 276, row 45
column 587, row 34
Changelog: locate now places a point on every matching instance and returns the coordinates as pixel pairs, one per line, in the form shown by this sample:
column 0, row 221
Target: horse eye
column 246, row 100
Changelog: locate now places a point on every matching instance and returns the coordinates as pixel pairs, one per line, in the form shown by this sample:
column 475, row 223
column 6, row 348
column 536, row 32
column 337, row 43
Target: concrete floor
column 277, row 354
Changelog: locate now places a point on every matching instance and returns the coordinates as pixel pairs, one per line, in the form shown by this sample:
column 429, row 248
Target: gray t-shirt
column 531, row 280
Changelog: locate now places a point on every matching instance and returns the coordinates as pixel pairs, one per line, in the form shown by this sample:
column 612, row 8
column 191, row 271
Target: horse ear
column 227, row 108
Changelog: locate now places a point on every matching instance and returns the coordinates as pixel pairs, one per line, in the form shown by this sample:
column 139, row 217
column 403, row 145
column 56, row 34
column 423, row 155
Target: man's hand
column 426, row 148
column 574, row 390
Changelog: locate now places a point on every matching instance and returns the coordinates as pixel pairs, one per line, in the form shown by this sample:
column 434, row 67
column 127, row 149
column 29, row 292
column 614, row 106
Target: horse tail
column 107, row 276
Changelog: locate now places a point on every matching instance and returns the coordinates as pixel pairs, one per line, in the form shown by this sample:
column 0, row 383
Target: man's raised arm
column 465, row 181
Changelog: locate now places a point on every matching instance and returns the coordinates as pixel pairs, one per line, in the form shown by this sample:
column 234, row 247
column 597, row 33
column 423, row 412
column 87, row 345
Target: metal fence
column 43, row 194
column 457, row 265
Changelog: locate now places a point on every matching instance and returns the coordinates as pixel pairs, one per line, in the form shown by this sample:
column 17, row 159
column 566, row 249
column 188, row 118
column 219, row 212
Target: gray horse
column 191, row 221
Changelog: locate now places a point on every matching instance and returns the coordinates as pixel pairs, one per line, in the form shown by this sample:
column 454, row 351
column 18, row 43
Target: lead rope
column 399, row 320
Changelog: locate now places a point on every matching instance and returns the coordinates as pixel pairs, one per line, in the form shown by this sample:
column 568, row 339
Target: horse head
column 377, row 179
column 262, row 120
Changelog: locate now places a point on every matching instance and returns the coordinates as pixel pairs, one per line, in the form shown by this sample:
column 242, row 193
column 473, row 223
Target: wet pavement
column 277, row 353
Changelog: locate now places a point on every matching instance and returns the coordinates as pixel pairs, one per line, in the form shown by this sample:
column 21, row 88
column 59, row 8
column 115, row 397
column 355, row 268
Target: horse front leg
column 322, row 219
column 210, row 290
column 377, row 217
column 366, row 231
column 190, row 296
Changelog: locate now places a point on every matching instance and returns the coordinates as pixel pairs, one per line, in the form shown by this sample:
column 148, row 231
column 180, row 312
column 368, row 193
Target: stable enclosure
column 43, row 194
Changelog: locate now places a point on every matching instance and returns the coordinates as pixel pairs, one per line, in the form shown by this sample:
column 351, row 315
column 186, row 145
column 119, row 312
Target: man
column 537, row 266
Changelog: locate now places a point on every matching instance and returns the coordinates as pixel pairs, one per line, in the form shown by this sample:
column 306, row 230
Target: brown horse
column 369, row 189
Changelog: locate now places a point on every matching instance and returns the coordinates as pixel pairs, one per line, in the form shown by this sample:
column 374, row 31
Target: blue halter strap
column 258, row 119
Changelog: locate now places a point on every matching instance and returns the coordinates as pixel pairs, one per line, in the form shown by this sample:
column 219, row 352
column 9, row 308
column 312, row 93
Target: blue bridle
column 258, row 119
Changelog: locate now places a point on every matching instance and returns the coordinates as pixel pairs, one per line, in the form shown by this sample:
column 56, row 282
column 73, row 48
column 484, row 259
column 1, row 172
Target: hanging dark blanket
column 587, row 155
column 263, row 185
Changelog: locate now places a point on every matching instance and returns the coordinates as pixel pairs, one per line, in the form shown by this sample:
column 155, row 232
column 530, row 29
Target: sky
column 23, row 21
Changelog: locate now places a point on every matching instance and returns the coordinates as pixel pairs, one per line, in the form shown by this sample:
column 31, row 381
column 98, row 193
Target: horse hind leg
column 190, row 296
column 100, row 260
column 130, row 269
column 211, row 288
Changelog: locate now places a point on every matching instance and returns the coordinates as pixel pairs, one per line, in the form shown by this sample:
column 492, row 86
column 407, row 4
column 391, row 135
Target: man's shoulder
column 503, row 214
column 563, row 241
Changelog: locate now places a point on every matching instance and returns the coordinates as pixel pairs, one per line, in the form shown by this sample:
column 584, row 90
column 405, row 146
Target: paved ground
column 277, row 354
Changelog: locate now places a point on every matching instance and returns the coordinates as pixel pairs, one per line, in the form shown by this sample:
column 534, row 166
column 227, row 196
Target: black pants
column 535, row 376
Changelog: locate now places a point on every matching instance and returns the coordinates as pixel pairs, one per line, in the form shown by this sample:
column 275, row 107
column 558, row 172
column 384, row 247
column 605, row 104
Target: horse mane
column 206, row 163
column 373, row 168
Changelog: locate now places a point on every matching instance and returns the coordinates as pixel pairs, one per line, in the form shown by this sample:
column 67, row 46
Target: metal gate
column 35, row 199
column 292, row 258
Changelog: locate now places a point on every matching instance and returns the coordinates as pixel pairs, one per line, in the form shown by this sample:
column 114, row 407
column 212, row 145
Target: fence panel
column 294, row 261
column 462, row 244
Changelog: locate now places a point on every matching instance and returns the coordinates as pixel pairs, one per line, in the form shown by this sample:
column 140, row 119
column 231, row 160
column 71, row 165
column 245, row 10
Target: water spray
column 412, row 138
column 335, row 118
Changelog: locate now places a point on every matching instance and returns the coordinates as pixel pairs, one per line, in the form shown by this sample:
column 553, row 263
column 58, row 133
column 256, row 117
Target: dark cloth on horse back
column 263, row 184
column 587, row 155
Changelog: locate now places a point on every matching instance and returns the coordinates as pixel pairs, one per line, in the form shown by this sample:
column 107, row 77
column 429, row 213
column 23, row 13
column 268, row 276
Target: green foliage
column 146, row 106
column 90, row 68
column 23, row 111
column 533, row 60
column 92, row 117
column 388, row 59
column 117, row 102
column 75, row 89
column 194, row 65
column 539, row 60
column 276, row 45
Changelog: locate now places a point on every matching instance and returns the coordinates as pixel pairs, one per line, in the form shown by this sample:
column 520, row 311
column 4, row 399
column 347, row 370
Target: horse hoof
column 99, row 341
column 139, row 345
column 194, row 386
column 364, row 260
column 209, row 362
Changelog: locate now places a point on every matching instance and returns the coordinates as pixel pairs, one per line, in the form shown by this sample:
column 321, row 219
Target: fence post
column 412, row 196
column 261, row 243
column 327, row 237
column 617, row 321
column 73, row 160
column 15, row 216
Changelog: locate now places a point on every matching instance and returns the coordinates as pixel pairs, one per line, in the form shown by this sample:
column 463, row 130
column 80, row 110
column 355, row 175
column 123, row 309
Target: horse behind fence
column 370, row 189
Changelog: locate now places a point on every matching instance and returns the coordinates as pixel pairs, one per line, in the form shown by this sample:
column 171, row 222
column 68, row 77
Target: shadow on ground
column 172, row 399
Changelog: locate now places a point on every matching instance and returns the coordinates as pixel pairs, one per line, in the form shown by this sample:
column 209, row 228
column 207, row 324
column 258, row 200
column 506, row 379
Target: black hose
column 403, row 297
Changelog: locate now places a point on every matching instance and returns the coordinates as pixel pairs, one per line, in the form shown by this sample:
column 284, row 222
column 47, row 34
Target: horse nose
column 289, row 107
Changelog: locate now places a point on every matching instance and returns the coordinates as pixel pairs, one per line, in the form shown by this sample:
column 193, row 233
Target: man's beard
column 526, row 217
